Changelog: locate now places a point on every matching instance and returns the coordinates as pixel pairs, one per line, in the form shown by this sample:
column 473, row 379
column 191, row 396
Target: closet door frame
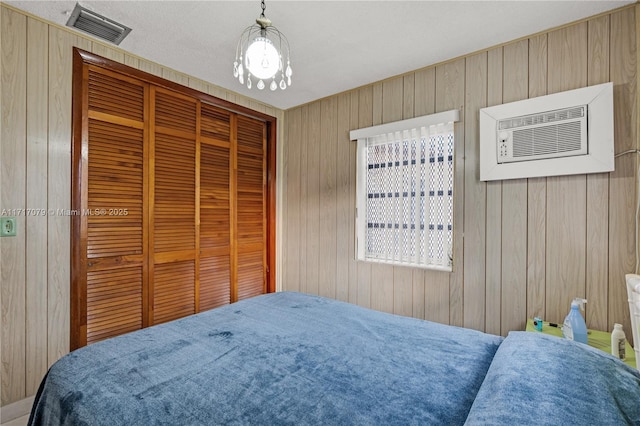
column 81, row 59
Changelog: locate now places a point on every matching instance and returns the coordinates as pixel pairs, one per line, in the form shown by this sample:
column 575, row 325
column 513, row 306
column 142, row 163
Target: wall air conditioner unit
column 560, row 134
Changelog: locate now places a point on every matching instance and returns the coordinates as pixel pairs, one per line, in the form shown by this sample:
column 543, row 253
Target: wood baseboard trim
column 16, row 409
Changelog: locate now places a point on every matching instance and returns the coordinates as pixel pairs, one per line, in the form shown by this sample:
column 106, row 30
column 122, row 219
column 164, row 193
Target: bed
column 290, row 358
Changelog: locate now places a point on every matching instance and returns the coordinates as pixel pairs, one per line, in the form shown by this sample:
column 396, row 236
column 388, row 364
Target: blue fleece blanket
column 289, row 358
column 282, row 358
column 536, row 379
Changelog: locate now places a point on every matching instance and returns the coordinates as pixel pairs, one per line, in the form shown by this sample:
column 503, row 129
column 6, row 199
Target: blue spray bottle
column 574, row 327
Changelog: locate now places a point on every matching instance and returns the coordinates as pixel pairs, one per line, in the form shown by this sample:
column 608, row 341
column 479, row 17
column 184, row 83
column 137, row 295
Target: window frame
column 362, row 136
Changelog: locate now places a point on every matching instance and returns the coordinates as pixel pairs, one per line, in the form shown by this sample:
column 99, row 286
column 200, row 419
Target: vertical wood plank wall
column 35, row 165
column 523, row 247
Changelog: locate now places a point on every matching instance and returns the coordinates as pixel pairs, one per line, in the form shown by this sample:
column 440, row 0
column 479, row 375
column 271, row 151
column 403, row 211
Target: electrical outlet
column 7, row 226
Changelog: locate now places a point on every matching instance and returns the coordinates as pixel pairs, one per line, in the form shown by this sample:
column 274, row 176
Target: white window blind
column 405, row 192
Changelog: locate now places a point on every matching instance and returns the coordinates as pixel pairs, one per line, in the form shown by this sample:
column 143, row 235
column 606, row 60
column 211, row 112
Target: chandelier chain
column 263, row 8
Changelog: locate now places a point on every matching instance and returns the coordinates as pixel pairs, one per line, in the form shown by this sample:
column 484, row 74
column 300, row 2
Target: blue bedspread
column 289, row 358
column 282, row 358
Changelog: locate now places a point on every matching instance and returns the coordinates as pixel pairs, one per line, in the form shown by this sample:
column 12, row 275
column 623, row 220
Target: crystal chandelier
column 260, row 55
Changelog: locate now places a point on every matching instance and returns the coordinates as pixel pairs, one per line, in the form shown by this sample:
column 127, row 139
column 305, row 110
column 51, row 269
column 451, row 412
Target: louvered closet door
column 251, row 207
column 215, row 207
column 115, row 205
column 173, row 242
column 170, row 201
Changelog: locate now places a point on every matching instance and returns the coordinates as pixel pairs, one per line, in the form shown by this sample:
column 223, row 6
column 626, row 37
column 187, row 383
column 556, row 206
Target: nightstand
column 595, row 338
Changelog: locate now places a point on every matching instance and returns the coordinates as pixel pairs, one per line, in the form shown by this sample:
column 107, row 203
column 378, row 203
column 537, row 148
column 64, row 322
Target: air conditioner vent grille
column 551, row 139
column 97, row 25
column 543, row 118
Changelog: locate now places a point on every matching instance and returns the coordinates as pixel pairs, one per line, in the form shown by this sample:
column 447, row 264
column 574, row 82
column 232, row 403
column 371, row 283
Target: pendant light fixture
column 260, row 55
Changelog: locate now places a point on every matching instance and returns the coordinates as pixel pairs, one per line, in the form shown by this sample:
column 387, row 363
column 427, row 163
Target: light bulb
column 261, row 58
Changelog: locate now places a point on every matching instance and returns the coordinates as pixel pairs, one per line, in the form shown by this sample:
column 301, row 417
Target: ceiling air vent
column 99, row 26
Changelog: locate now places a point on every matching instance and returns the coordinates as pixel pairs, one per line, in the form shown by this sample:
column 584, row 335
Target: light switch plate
column 7, row 226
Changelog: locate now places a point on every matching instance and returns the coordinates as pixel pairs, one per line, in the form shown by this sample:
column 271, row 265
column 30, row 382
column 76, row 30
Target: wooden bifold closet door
column 170, row 203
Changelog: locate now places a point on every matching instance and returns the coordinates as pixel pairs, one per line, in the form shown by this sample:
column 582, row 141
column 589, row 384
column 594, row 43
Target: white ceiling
column 336, row 45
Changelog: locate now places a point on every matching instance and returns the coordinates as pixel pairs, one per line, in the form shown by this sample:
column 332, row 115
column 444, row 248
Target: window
column 405, row 186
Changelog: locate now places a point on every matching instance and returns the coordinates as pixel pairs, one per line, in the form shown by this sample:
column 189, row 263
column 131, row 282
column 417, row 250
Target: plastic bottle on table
column 618, row 341
column 574, row 327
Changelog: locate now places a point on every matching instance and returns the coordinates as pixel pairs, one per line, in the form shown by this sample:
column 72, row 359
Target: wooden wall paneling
column 354, row 106
column 217, row 92
column 36, row 198
column 597, row 252
column 566, row 195
column 241, row 100
column 403, row 291
column 328, row 200
column 365, row 119
column 475, row 193
column 131, row 61
column 313, row 197
column 425, row 87
column 107, row 52
column 344, row 220
column 514, row 203
column 257, row 106
column 61, row 45
column 175, row 76
column 12, row 167
column 232, row 97
column 408, row 96
column 622, row 188
column 293, row 223
column 424, row 104
column 151, row 68
column 436, row 296
column 303, row 141
column 197, row 84
column 450, row 79
column 382, row 287
column 537, row 194
column 494, row 210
